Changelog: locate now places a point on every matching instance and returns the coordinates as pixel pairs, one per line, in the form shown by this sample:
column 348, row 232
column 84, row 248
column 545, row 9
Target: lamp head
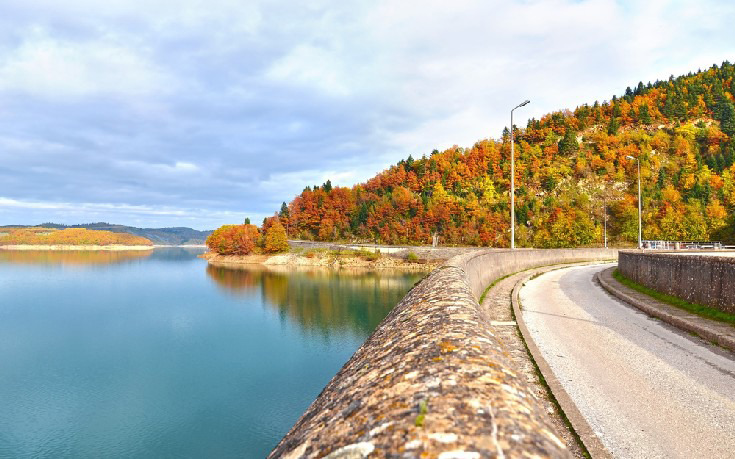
column 631, row 157
column 525, row 103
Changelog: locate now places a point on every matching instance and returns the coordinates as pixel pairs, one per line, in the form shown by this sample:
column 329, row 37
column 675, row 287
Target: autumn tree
column 233, row 239
column 275, row 238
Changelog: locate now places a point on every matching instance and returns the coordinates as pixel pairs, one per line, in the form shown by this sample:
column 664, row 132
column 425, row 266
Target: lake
column 158, row 354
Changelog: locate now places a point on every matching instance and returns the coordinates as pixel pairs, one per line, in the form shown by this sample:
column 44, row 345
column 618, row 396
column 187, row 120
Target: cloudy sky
column 199, row 113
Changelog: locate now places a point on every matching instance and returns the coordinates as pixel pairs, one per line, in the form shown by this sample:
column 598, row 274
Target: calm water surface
column 140, row 354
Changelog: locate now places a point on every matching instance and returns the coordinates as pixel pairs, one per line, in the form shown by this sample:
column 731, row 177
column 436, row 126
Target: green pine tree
column 568, row 143
column 643, row 115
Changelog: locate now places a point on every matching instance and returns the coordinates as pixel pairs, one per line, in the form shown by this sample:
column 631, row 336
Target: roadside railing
column 683, row 245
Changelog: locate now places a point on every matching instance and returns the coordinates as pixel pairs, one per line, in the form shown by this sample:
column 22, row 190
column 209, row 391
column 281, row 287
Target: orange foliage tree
column 233, row 239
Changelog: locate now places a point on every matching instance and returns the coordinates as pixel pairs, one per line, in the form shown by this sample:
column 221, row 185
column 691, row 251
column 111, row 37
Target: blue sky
column 199, row 113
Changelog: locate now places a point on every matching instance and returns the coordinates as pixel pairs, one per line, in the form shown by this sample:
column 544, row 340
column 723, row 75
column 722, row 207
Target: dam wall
column 702, row 279
column 432, row 380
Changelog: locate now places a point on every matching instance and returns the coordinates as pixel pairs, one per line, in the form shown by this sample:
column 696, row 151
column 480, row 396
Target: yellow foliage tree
column 275, row 238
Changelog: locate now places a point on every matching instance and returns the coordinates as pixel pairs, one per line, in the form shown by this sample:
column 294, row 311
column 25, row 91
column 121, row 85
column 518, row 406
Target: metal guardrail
column 684, row 245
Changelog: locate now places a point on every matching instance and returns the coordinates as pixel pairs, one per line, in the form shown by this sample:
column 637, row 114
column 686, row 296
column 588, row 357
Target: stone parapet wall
column 701, row 279
column 432, row 380
column 484, row 267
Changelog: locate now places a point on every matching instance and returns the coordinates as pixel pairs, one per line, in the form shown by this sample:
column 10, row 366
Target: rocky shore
column 322, row 260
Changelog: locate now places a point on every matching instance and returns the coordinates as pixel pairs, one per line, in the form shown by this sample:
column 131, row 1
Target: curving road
column 645, row 388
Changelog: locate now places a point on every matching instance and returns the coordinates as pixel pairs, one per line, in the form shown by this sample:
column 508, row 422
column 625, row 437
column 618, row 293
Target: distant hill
column 37, row 236
column 159, row 236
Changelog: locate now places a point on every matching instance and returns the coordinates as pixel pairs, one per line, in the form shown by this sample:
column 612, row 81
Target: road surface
column 645, row 388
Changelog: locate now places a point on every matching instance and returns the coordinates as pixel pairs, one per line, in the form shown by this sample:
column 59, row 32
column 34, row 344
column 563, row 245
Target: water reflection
column 177, row 254
column 321, row 300
column 72, row 257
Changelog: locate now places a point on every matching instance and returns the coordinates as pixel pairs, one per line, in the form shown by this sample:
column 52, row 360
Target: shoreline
column 290, row 260
column 113, row 247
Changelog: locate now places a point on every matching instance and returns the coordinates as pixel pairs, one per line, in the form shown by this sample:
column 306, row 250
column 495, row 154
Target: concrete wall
column 432, row 380
column 706, row 280
column 483, row 267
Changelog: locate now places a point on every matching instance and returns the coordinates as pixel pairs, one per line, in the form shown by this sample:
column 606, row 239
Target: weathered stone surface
column 433, row 381
column 704, row 280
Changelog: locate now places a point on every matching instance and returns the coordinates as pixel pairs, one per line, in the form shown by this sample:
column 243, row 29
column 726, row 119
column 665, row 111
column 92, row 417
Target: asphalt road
column 646, row 389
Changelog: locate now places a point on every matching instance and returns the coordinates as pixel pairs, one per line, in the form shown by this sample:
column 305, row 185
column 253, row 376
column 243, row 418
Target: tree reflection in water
column 72, row 257
column 321, row 300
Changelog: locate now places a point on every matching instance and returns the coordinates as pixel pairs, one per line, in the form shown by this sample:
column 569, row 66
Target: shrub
column 412, row 257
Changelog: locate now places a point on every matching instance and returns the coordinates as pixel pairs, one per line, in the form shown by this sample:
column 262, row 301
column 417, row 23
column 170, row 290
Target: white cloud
column 117, row 209
column 178, row 168
column 53, row 68
column 312, row 67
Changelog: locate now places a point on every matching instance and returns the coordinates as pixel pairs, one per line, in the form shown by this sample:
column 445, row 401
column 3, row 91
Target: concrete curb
column 579, row 423
column 715, row 332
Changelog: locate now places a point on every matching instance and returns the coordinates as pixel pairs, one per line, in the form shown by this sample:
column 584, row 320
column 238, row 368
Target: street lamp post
column 604, row 211
column 640, row 232
column 513, row 181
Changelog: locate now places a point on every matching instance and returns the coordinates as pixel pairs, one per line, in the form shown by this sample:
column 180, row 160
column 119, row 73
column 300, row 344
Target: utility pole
column 513, row 181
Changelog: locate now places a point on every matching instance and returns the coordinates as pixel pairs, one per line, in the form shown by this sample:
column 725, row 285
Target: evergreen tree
column 616, row 111
column 629, row 94
column 568, row 143
column 680, row 109
column 643, row 115
column 613, row 127
column 727, row 119
column 668, row 109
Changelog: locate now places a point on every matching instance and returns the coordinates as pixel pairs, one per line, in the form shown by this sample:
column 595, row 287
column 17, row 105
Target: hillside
column 159, row 236
column 569, row 164
column 68, row 237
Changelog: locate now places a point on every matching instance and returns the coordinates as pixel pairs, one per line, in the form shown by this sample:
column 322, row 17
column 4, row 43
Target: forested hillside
column 569, row 164
column 159, row 236
column 67, row 236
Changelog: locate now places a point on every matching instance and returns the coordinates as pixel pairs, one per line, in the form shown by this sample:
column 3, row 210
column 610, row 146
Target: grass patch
column 698, row 309
column 495, row 282
column 367, row 254
column 412, row 257
column 423, row 409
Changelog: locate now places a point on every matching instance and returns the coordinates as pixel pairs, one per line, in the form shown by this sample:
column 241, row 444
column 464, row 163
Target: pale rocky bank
column 320, row 260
